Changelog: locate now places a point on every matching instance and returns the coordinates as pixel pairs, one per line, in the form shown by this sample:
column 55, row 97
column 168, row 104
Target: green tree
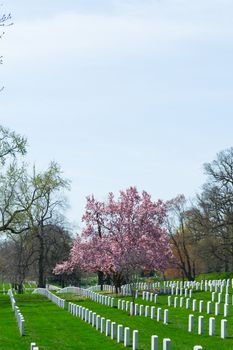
column 11, row 144
column 46, row 209
column 12, row 177
column 214, row 213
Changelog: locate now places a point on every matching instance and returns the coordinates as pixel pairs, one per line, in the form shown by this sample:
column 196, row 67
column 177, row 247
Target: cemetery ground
column 176, row 329
column 52, row 327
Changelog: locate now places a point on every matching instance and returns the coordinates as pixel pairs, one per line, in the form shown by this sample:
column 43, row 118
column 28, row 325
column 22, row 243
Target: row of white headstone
column 198, row 306
column 171, row 287
column 18, row 315
column 105, row 326
column 211, row 332
column 97, row 297
column 148, row 296
column 108, row 288
column 94, row 288
column 175, row 291
column 143, row 310
column 135, row 309
column 110, row 328
column 55, row 299
column 167, row 344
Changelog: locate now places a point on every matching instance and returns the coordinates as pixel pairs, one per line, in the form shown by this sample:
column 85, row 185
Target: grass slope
column 54, row 328
column 177, row 328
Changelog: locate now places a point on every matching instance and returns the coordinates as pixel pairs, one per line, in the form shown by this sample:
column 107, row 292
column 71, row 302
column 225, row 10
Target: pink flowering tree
column 122, row 237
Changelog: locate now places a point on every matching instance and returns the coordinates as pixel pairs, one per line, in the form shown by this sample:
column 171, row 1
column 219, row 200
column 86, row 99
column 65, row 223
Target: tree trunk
column 117, row 280
column 20, row 288
column 108, row 279
column 100, row 279
column 41, row 277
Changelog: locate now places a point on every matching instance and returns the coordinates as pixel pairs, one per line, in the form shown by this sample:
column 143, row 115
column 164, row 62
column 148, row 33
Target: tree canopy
column 121, row 236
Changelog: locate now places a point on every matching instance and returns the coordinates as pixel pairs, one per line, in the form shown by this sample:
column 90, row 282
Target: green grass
column 176, row 330
column 9, row 332
column 54, row 328
column 4, row 286
column 214, row 276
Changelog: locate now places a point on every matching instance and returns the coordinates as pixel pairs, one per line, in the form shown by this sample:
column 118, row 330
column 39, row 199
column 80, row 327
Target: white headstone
column 108, row 327
column 159, row 314
column 217, row 305
column 135, row 340
column 223, row 329
column 200, row 325
column 225, row 310
column 166, row 344
column 126, row 336
column 154, row 342
column 119, row 333
column 201, row 306
column 152, row 315
column 93, row 319
column 141, row 310
column 165, row 318
column 98, row 318
column 211, row 326
column 208, row 307
column 194, row 304
column 102, row 325
column 191, row 323
column 113, row 330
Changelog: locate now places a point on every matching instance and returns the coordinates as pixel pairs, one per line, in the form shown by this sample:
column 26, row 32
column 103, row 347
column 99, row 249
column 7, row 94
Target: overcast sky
column 120, row 92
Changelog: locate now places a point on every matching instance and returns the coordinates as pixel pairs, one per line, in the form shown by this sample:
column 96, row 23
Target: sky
column 120, row 93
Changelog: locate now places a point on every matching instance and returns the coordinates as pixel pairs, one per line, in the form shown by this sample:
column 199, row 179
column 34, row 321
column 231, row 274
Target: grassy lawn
column 54, row 328
column 176, row 330
column 9, row 332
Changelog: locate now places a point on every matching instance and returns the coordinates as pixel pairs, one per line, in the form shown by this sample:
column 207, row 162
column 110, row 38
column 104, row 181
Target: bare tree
column 45, row 209
column 20, row 254
column 215, row 208
column 181, row 237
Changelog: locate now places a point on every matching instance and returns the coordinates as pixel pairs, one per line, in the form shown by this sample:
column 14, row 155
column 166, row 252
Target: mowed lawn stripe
column 9, row 332
column 176, row 330
column 54, row 328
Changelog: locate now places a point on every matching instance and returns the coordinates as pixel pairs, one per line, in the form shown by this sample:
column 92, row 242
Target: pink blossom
column 123, row 235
